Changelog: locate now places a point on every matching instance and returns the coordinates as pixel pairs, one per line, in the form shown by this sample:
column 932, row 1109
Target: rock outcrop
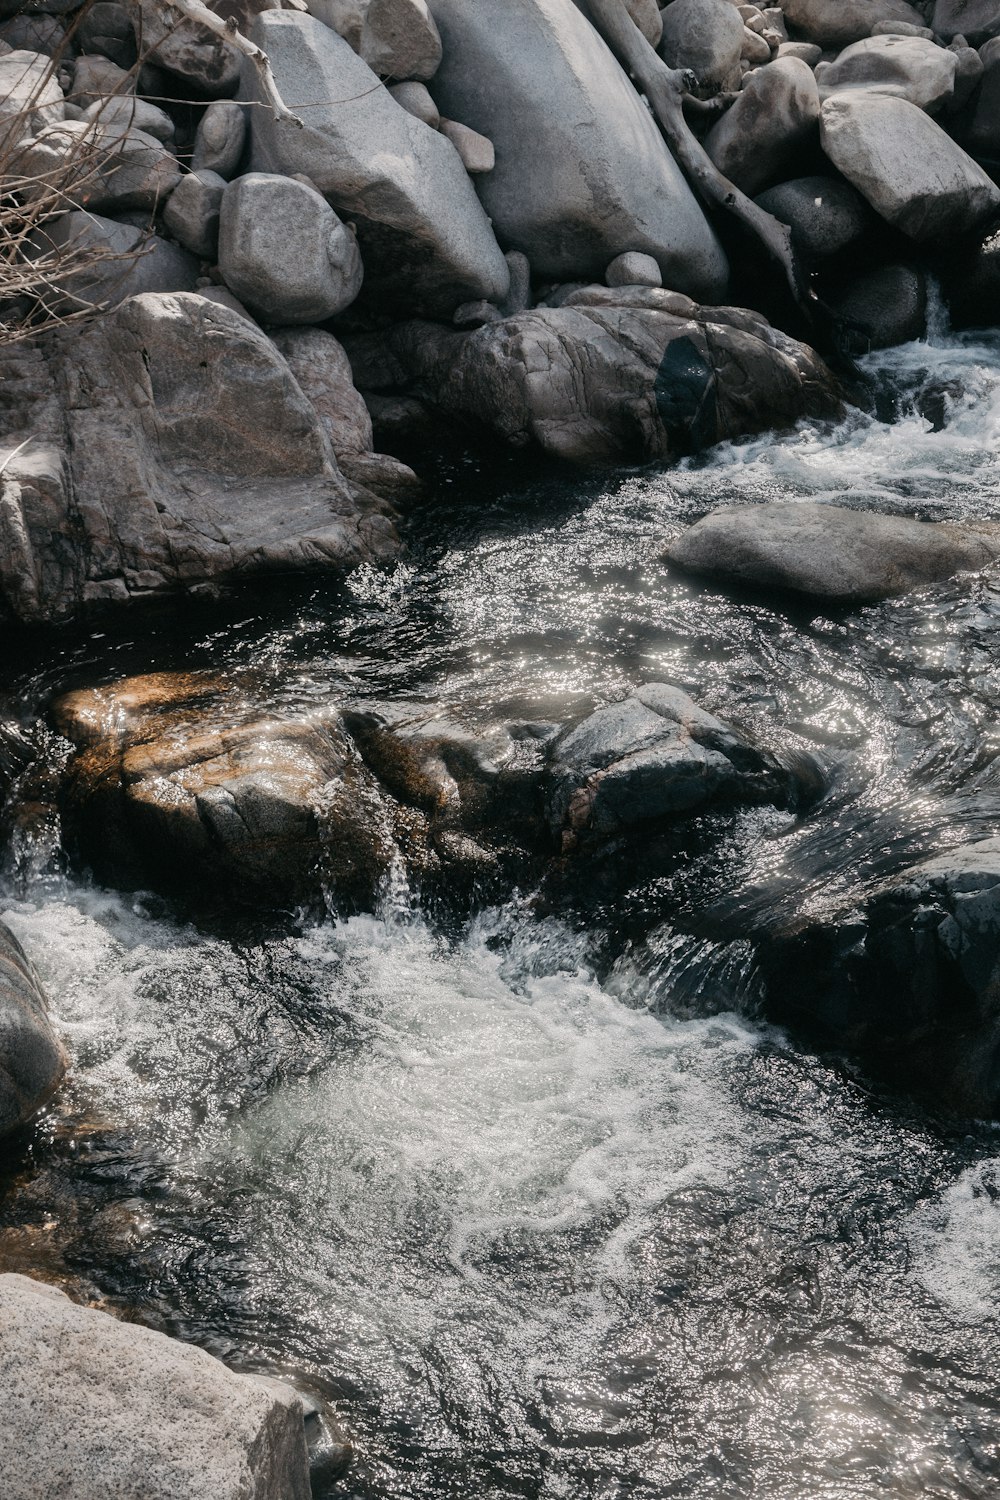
column 582, row 172
column 32, row 1058
column 93, row 1406
column 909, row 980
column 830, row 553
column 634, row 373
column 170, row 445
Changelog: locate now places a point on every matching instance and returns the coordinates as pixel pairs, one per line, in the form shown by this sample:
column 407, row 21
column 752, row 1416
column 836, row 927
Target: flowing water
column 538, row 1204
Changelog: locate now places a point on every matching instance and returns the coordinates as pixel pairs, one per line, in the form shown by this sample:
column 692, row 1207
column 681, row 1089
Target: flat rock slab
column 830, row 553
column 97, row 1408
column 909, row 980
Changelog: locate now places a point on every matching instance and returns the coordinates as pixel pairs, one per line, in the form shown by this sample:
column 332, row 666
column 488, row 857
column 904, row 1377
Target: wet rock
column 126, row 261
column 582, row 172
column 824, row 214
column 220, row 465
column 830, row 553
column 707, row 37
column 881, row 307
column 908, row 980
column 613, row 374
column 837, row 23
column 773, row 122
column 910, row 172
column 904, row 67
column 400, row 40
column 425, row 239
column 972, row 286
column 220, row 139
column 633, row 269
column 93, row 1406
column 283, row 250
column 976, row 20
column 207, row 64
column 32, row 1058
column 657, row 755
column 192, row 214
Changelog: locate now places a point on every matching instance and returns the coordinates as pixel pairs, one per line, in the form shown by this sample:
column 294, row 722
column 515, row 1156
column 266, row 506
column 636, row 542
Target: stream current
column 538, row 1204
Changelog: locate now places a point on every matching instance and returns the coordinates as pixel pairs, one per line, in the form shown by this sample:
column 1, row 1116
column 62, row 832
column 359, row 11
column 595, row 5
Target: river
column 538, row 1203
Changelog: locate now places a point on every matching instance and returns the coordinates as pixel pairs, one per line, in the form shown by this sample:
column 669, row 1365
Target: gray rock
column 707, row 37
column 102, row 169
column 93, row 1406
column 221, row 467
column 910, row 172
column 98, row 78
column 828, row 552
column 124, row 111
column 773, row 121
column 223, row 297
column 582, row 172
column 30, row 97
column 476, row 151
column 807, row 52
column 968, row 73
column 976, row 20
column 908, row 980
column 972, row 286
column 629, row 374
column 519, row 296
column 207, row 63
column 323, row 370
column 879, row 308
column 126, row 261
column 837, row 23
column 32, row 1059
column 824, row 214
column 646, row 15
column 425, row 239
column 283, row 250
column 40, row 33
column 416, row 99
column 220, row 139
column 192, row 213
column 633, row 269
column 345, row 17
column 982, row 138
column 655, row 756
column 106, row 27
column 755, row 49
column 400, row 40
column 901, row 28
column 904, row 67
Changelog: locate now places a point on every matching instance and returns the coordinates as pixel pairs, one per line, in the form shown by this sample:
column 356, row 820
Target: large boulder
column 707, row 37
column 96, row 1407
column 909, row 979
column 982, row 136
column 772, row 124
column 657, row 755
column 98, row 167
column 828, row 552
column 976, row 20
column 284, row 252
column 880, row 307
column 582, row 172
column 192, row 214
column 905, row 67
column 824, row 214
column 32, row 1058
column 95, row 260
column 425, row 240
column 400, row 40
column 910, row 172
column 837, row 23
column 30, row 96
column 193, row 455
column 628, row 374
column 207, row 63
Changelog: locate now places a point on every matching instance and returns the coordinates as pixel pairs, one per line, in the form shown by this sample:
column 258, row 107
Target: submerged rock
column 909, row 980
column 627, row 374
column 96, row 1407
column 32, row 1058
column 582, row 173
column 178, row 448
column 657, row 755
column 830, row 553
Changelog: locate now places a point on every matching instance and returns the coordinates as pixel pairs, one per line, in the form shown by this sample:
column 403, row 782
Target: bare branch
column 194, row 10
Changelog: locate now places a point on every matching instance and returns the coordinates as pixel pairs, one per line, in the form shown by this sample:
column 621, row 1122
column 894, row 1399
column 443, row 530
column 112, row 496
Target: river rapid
column 537, row 1202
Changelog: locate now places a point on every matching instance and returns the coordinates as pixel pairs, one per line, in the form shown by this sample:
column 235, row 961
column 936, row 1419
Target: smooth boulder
column 707, row 37
column 829, row 553
column 425, row 240
column 904, row 67
column 908, row 980
column 100, row 260
column 192, row 213
column 220, row 139
column 283, row 250
column 773, row 122
column 32, row 1059
column 582, row 173
column 837, row 23
column 658, row 755
column 881, row 307
column 97, row 1407
column 976, row 20
column 906, row 167
column 825, row 215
